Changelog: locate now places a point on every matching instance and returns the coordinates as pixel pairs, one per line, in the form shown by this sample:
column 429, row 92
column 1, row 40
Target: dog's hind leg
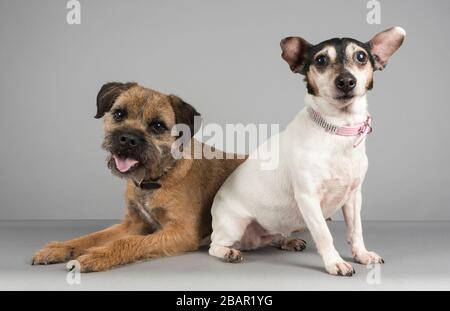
column 225, row 248
column 228, row 235
column 226, row 253
column 289, row 243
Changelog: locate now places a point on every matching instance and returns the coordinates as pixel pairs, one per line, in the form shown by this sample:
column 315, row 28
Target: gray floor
column 417, row 257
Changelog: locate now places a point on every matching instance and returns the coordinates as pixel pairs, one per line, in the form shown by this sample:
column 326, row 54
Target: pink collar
column 360, row 129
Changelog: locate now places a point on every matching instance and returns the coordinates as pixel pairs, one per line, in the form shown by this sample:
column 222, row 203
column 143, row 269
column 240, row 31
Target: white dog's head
column 341, row 69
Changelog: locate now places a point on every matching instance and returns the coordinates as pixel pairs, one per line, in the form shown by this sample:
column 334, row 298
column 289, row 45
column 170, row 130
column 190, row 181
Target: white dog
column 323, row 158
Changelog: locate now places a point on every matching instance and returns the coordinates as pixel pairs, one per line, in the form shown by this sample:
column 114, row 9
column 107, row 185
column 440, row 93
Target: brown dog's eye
column 321, row 60
column 361, row 57
column 119, row 114
column 157, row 127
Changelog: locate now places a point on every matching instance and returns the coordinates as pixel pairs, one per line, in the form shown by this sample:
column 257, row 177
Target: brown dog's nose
column 345, row 82
column 128, row 140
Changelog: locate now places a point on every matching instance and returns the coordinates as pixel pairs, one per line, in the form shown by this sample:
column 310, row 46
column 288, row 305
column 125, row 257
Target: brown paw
column 55, row 252
column 366, row 257
column 234, row 256
column 293, row 245
column 341, row 269
column 96, row 259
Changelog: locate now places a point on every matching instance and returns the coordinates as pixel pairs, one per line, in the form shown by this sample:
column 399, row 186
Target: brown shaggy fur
column 162, row 222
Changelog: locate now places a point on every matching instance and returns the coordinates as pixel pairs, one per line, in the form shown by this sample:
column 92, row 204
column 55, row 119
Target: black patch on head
column 340, row 45
column 311, row 90
column 370, row 86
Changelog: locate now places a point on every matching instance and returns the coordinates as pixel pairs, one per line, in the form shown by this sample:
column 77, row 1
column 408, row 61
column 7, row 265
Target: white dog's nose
column 345, row 82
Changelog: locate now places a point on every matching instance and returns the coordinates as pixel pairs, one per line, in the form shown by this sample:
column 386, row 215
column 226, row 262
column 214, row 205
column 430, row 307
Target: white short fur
column 318, row 173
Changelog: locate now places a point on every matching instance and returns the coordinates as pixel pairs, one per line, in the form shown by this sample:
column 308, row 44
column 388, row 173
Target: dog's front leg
column 311, row 211
column 56, row 252
column 172, row 239
column 352, row 216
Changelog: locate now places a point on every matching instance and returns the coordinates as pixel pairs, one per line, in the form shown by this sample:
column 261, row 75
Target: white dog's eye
column 361, row 57
column 321, row 60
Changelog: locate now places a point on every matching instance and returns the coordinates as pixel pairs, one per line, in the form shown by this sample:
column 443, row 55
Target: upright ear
column 295, row 50
column 185, row 114
column 385, row 44
column 108, row 94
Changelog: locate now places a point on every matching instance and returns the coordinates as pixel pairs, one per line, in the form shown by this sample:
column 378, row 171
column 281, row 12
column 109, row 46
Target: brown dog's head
column 341, row 69
column 138, row 126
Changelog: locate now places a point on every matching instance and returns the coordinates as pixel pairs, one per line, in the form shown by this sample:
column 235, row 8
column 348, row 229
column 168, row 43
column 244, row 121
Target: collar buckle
column 366, row 125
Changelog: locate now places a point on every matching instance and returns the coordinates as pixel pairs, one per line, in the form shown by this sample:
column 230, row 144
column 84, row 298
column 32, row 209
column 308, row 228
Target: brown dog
column 168, row 200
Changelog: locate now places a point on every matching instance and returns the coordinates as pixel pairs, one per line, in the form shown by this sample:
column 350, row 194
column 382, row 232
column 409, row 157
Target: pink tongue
column 124, row 164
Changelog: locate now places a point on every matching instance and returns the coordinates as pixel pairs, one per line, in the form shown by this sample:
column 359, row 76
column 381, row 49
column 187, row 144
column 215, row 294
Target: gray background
column 223, row 57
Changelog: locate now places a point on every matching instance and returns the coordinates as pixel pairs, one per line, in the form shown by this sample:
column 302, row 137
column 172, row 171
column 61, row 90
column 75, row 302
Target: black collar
column 147, row 185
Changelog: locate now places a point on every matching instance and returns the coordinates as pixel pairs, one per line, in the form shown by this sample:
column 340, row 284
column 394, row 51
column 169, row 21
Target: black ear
column 108, row 95
column 295, row 51
column 185, row 114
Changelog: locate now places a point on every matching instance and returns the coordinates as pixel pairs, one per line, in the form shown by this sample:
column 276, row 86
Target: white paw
column 365, row 257
column 340, row 268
